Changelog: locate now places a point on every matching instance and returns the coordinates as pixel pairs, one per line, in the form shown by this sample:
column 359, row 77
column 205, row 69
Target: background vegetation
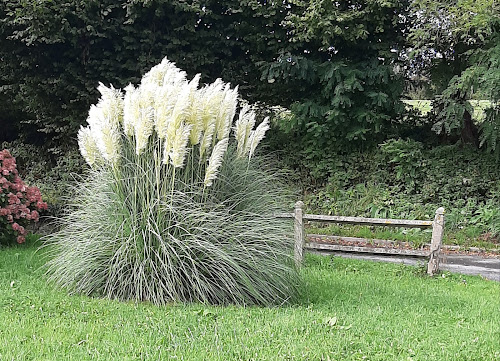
column 333, row 75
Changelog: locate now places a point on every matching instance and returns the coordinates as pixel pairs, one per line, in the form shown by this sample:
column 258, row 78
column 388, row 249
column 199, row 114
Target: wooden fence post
column 299, row 233
column 437, row 239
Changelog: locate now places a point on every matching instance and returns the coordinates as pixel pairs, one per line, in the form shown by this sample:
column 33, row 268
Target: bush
column 405, row 179
column 171, row 209
column 19, row 203
column 55, row 52
column 52, row 175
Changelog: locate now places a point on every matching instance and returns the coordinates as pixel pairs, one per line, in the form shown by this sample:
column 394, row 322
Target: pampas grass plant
column 174, row 208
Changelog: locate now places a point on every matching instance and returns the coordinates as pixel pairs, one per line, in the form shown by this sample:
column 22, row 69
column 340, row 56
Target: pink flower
column 13, row 199
column 35, row 216
column 41, row 205
column 15, row 206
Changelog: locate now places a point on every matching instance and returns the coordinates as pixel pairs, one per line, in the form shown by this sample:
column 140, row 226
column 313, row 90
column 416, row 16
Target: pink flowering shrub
column 19, row 204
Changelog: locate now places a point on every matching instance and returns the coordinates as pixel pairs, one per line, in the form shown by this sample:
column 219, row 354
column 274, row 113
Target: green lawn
column 350, row 310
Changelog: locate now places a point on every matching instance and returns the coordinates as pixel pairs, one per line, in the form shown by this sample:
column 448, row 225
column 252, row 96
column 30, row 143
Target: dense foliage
column 54, row 53
column 406, row 179
column 19, row 203
column 459, row 53
column 334, row 68
column 340, row 64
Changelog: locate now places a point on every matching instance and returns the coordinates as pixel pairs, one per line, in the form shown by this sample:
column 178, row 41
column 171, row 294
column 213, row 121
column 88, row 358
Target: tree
column 53, row 54
column 331, row 62
column 337, row 68
column 456, row 43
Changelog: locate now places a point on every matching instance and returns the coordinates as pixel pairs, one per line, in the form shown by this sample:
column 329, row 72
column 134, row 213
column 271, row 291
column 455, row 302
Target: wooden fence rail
column 300, row 216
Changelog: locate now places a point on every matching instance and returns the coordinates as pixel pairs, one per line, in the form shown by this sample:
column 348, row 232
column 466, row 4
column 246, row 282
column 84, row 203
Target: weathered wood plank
column 375, row 241
column 377, row 250
column 384, row 242
column 299, row 233
column 437, row 240
column 284, row 215
column 369, row 221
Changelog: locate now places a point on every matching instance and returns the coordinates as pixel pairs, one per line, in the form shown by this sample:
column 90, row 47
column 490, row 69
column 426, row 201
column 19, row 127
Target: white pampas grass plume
column 243, row 128
column 176, row 120
column 164, row 73
column 109, row 143
column 104, row 120
column 164, row 102
column 215, row 162
column 206, row 139
column 131, row 109
column 256, row 136
column 88, row 146
column 105, row 133
column 227, row 110
column 181, row 106
column 179, row 147
column 209, row 99
column 111, row 104
column 193, row 112
column 144, row 123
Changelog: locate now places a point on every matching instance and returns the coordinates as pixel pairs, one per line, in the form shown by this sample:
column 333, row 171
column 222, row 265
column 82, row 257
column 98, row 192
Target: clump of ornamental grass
column 175, row 206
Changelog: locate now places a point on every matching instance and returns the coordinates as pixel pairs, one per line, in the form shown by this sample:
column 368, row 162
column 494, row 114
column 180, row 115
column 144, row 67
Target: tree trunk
column 470, row 133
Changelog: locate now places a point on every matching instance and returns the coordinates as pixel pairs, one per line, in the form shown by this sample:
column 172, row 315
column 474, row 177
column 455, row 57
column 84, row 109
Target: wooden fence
column 300, row 216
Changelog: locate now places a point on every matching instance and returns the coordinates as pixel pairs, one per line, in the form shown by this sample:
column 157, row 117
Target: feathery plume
column 193, row 113
column 164, row 102
column 181, row 106
column 215, row 161
column 176, row 120
column 111, row 103
column 131, row 109
column 206, row 139
column 243, row 128
column 212, row 96
column 227, row 109
column 256, row 136
column 144, row 124
column 179, row 146
column 105, row 133
column 88, row 146
column 164, row 73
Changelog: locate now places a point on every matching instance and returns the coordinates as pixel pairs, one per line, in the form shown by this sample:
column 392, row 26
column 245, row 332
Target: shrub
column 52, row 175
column 172, row 208
column 405, row 179
column 19, row 203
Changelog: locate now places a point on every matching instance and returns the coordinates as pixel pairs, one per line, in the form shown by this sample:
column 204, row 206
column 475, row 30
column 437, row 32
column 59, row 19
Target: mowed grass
column 350, row 310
